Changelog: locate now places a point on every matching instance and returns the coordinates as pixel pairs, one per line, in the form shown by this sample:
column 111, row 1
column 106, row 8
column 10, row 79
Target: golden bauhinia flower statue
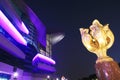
column 98, row 39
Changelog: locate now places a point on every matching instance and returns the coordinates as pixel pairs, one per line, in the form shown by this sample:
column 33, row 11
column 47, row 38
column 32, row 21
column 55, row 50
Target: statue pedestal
column 107, row 70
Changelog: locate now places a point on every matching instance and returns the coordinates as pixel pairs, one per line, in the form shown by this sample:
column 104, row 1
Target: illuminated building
column 24, row 54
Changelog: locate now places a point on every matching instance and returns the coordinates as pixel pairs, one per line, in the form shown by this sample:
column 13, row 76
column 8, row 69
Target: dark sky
column 72, row 58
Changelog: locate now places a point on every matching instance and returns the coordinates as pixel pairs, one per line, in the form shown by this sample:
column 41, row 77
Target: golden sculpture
column 97, row 39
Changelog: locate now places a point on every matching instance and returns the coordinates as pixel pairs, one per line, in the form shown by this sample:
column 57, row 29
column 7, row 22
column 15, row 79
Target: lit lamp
column 15, row 75
column 48, row 77
column 62, row 78
column 57, row 78
column 98, row 40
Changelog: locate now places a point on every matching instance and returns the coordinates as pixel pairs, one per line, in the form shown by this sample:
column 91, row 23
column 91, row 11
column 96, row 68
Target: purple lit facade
column 43, row 58
column 21, row 38
column 46, row 67
column 5, row 44
column 10, row 9
column 8, row 26
column 23, row 27
column 39, row 26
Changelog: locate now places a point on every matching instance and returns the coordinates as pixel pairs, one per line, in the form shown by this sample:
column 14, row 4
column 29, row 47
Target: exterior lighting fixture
column 48, row 77
column 15, row 75
column 57, row 78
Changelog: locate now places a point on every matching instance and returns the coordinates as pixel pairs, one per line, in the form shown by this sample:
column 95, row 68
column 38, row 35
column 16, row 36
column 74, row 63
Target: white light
column 57, row 78
column 48, row 77
column 15, row 74
column 55, row 38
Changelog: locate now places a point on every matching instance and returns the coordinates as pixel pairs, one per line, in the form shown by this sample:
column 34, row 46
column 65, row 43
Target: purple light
column 23, row 28
column 46, row 67
column 4, row 72
column 41, row 29
column 8, row 26
column 44, row 58
column 9, row 8
column 8, row 46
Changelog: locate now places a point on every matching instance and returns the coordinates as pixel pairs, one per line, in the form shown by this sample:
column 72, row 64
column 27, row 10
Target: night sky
column 72, row 58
